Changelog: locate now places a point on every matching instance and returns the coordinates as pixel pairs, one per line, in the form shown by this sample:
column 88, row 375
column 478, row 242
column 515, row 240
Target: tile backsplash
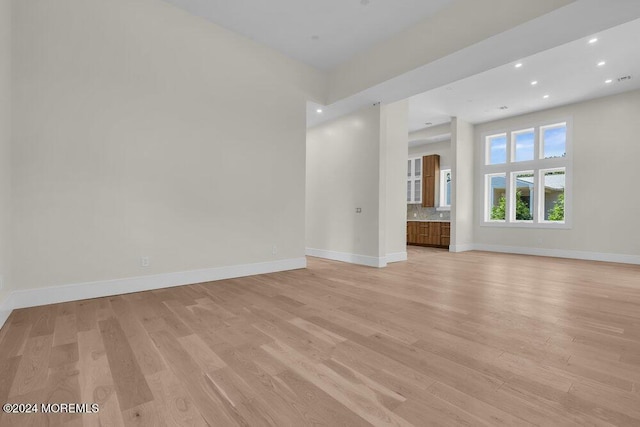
column 418, row 213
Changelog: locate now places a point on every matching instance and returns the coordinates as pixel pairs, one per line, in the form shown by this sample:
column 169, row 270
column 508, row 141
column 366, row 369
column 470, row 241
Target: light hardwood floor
column 444, row 339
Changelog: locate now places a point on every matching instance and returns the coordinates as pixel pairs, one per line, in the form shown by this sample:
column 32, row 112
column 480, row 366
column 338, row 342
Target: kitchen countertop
column 427, row 220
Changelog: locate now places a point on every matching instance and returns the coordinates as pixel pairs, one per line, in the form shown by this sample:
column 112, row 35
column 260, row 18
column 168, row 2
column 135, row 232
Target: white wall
column 394, row 140
column 343, row 158
column 462, row 190
column 5, row 136
column 140, row 130
column 358, row 161
column 460, row 25
column 442, row 148
column 606, row 149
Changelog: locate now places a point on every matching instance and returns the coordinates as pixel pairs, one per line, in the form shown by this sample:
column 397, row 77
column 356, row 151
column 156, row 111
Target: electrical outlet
column 415, row 215
column 274, row 250
column 145, row 261
column 441, row 215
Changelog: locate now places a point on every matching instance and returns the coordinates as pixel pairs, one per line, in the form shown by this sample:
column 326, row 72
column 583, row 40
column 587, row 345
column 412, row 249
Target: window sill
column 542, row 225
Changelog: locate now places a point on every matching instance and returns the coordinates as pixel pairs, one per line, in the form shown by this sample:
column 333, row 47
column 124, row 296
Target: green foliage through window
column 556, row 213
column 498, row 212
column 523, row 212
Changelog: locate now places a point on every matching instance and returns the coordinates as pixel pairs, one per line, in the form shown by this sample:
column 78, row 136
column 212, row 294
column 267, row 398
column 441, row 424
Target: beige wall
column 432, row 39
column 462, row 167
column 358, row 161
column 5, row 136
column 394, row 140
column 343, row 173
column 606, row 149
column 442, row 148
column 140, row 130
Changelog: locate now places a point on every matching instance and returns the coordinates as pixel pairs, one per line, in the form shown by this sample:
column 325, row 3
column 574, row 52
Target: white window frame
column 511, row 201
column 539, row 165
column 487, row 201
column 411, row 179
column 540, row 198
column 487, row 148
column 512, row 142
column 443, row 206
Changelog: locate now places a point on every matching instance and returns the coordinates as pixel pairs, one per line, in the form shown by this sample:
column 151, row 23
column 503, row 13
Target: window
column 523, row 145
column 496, row 196
column 496, row 149
column 526, row 173
column 445, row 188
column 554, row 141
column 414, row 180
column 523, row 203
column 555, row 184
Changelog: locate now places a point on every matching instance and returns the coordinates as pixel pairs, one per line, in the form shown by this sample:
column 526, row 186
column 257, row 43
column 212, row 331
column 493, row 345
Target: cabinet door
column 431, row 179
column 423, row 233
column 412, row 232
column 445, row 234
column 428, row 192
column 434, row 233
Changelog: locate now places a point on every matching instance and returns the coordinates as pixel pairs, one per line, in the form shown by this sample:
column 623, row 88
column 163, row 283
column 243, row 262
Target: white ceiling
column 567, row 73
column 576, row 21
column 321, row 33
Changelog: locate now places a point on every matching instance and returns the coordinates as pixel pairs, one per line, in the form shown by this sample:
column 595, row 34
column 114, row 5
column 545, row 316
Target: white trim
column 442, row 191
column 537, row 165
column 396, row 257
column 462, row 248
column 369, row 261
column 5, row 310
column 80, row 291
column 412, row 178
column 560, row 253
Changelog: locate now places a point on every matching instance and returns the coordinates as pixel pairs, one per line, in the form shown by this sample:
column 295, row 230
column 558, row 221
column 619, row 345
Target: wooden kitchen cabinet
column 445, row 234
column 431, row 179
column 431, row 233
column 412, row 231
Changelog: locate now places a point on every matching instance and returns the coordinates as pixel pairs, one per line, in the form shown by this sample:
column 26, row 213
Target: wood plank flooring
column 444, row 339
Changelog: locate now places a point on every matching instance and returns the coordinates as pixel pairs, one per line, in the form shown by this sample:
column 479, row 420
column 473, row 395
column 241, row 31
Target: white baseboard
column 462, row 248
column 5, row 310
column 80, row 291
column 396, row 257
column 369, row 261
column 560, row 253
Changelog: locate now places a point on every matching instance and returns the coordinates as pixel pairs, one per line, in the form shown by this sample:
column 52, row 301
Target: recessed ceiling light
column 593, row 40
column 519, row 64
column 546, row 97
column 608, row 81
column 601, row 63
column 319, row 110
column 315, row 37
column 533, row 83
